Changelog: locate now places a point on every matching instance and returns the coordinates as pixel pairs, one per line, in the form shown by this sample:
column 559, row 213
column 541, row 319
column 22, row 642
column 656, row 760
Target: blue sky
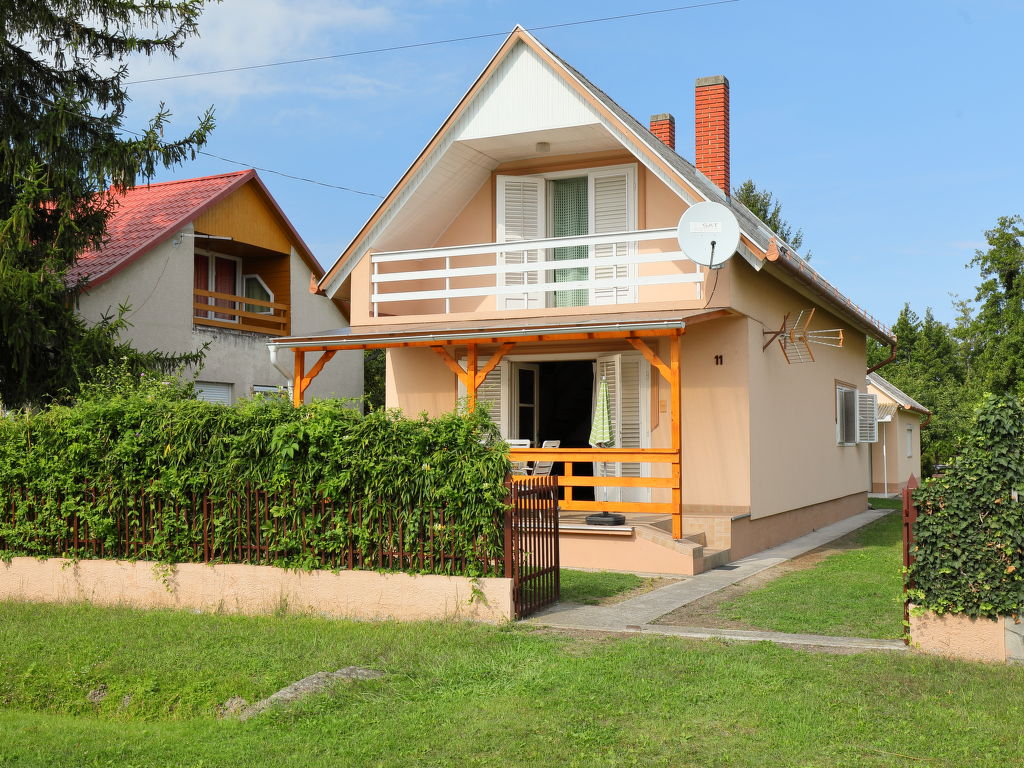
column 890, row 131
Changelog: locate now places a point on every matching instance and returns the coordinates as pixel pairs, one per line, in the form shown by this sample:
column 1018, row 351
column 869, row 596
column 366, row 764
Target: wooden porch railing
column 568, row 480
column 225, row 310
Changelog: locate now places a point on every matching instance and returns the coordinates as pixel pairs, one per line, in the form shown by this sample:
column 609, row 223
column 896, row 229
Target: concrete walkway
column 637, row 614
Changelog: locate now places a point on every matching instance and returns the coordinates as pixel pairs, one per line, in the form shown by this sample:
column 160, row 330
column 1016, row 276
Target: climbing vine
column 135, row 436
column 969, row 535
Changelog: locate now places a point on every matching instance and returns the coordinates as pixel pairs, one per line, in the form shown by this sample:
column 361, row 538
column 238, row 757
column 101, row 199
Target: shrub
column 130, row 433
column 969, row 535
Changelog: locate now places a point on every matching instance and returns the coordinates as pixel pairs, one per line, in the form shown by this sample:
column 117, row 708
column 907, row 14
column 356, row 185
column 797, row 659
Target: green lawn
column 465, row 695
column 880, row 502
column 856, row 593
column 590, row 587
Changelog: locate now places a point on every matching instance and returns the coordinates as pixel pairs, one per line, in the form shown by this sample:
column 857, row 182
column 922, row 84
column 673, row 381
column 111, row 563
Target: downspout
column 888, row 360
column 272, row 349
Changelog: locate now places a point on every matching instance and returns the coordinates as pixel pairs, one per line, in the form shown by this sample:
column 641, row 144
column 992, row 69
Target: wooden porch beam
column 452, row 363
column 652, row 358
column 471, row 376
column 317, row 367
column 677, row 444
column 496, row 358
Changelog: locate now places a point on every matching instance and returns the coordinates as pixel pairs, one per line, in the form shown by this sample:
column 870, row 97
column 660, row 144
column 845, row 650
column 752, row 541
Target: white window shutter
column 520, row 216
column 627, row 377
column 612, row 211
column 494, row 393
column 867, row 418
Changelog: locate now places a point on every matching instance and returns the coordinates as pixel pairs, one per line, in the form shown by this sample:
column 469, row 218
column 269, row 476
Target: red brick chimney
column 711, row 129
column 663, row 127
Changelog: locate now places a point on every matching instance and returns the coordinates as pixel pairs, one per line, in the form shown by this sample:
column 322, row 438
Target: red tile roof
column 147, row 216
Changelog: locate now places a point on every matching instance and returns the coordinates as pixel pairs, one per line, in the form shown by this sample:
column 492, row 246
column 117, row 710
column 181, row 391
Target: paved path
column 637, row 614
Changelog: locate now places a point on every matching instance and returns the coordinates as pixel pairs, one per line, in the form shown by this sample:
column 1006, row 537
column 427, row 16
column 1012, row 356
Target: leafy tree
column 374, row 370
column 62, row 145
column 993, row 338
column 762, row 204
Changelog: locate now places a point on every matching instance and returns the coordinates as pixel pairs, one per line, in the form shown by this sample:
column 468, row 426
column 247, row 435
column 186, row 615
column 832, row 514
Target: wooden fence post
column 909, row 518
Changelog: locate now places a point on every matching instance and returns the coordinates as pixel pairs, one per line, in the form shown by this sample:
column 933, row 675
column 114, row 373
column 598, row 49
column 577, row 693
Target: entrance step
column 713, row 558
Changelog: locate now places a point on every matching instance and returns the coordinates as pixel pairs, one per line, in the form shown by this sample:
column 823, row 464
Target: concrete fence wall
column 255, row 589
column 962, row 637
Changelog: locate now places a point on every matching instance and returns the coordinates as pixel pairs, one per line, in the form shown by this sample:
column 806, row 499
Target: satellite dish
column 708, row 234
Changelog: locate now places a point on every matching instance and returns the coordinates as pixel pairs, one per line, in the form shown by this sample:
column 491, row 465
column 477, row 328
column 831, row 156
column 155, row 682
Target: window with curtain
column 569, row 215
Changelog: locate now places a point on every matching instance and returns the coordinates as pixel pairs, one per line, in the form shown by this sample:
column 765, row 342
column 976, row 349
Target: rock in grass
column 232, row 707
column 97, row 694
column 315, row 683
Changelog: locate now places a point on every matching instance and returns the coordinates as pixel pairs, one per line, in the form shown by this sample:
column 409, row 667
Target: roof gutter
column 356, row 342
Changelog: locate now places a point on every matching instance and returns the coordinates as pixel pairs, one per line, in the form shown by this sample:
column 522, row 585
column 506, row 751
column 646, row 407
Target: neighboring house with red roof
column 213, row 261
column 897, row 454
column 528, row 259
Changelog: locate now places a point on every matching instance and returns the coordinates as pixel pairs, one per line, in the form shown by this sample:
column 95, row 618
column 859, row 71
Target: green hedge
column 130, row 433
column 969, row 535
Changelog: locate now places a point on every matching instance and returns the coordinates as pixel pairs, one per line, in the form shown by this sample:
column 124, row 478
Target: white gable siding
column 524, row 94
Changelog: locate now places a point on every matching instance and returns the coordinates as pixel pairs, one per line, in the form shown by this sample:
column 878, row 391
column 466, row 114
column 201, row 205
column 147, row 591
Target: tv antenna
column 795, row 337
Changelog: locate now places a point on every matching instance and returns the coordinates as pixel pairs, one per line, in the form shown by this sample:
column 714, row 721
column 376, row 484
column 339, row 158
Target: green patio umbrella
column 601, row 433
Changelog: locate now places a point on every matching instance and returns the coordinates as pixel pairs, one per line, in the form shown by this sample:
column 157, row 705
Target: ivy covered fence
column 968, row 547
column 139, row 469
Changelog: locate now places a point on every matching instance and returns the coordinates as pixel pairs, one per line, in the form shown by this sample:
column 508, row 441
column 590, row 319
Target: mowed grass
column 591, row 587
column 883, row 502
column 464, row 695
column 858, row 593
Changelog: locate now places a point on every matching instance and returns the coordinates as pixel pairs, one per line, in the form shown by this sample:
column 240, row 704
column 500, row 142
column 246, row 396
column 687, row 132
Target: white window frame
column 591, row 174
column 270, row 390
column 841, row 428
column 212, row 257
column 910, row 441
column 256, row 307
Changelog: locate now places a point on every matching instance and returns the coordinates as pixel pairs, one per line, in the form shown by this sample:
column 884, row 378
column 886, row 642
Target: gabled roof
column 148, row 215
column 760, row 246
column 901, row 398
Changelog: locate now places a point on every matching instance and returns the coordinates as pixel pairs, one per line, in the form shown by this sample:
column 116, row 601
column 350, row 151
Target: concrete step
column 713, row 558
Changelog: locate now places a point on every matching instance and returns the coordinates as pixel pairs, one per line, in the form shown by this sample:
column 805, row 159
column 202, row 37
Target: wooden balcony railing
column 568, row 480
column 224, row 310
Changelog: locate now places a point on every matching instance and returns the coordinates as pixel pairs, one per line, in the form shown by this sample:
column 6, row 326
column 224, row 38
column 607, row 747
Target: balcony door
column 219, row 274
column 565, row 204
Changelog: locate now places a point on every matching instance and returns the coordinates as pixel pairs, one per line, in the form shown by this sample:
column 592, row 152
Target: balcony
column 582, row 270
column 239, row 313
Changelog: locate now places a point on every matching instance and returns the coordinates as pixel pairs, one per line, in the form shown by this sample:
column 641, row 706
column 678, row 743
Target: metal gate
column 531, row 543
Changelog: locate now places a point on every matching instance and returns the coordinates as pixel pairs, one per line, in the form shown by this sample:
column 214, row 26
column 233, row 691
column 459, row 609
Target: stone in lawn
column 315, row 683
column 97, row 694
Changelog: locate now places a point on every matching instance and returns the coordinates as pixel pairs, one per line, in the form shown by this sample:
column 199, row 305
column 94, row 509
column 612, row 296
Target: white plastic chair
column 544, row 467
column 519, row 467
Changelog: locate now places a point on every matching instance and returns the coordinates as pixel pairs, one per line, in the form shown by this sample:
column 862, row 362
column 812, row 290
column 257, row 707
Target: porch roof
column 568, row 328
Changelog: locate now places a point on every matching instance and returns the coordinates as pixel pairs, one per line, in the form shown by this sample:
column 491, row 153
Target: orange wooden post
column 297, row 388
column 471, row 381
column 677, row 441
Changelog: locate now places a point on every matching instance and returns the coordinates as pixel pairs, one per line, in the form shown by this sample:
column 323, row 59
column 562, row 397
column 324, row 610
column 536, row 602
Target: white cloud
column 238, row 33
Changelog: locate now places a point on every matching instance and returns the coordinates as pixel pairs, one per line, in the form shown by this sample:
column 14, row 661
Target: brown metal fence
column 244, row 529
column 909, row 518
column 531, row 542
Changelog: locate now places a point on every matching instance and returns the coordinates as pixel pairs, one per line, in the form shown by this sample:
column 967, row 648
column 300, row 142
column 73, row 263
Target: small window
column 269, row 390
column 214, row 392
column 846, row 415
column 253, row 287
column 910, row 442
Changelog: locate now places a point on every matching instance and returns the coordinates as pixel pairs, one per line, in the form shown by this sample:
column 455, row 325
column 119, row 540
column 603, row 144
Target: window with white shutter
column 563, row 204
column 628, row 380
column 521, row 216
column 867, row 418
column 612, row 211
column 846, row 415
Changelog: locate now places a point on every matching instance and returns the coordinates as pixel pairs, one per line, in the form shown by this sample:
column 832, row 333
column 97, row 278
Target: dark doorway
column 566, row 409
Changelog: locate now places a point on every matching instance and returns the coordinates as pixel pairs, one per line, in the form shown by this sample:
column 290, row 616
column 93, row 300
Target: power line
column 290, row 176
column 432, row 42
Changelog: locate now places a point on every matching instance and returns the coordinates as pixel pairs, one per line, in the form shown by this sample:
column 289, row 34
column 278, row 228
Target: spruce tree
column 62, row 145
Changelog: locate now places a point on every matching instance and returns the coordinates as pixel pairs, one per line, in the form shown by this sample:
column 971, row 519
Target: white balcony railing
column 605, row 266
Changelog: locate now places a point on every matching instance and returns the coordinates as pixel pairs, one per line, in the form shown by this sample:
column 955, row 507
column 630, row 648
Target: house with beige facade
column 529, row 259
column 897, row 454
column 213, row 261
